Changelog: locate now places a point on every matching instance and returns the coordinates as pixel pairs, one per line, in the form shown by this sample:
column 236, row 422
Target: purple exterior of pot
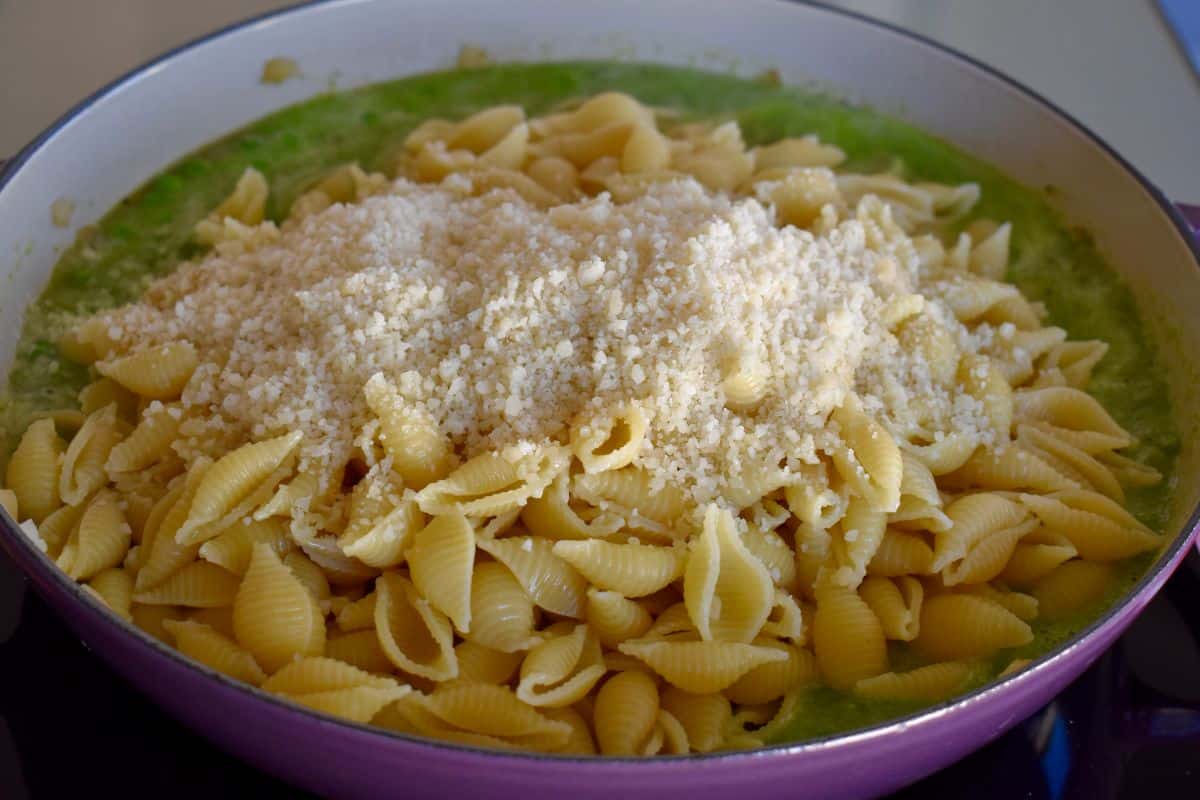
column 335, row 758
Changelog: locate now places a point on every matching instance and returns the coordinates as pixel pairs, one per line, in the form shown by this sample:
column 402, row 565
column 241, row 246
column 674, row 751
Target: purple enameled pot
column 111, row 143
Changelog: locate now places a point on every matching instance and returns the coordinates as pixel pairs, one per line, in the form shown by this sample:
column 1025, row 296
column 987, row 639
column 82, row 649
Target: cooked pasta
column 686, row 429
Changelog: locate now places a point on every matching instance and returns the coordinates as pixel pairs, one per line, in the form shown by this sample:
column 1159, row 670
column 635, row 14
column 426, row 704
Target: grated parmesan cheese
column 508, row 322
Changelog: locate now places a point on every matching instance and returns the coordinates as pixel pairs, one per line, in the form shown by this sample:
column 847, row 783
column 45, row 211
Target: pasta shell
column 383, row 520
column 502, row 614
column 1098, row 528
column 1011, row 467
column 164, row 555
column 441, row 561
column 610, row 442
column 627, row 492
column 561, row 670
column 1031, row 562
column 333, row 687
column 727, row 591
column 33, row 471
column 552, row 517
column 115, row 587
column 275, row 616
column 1072, row 409
column 358, row 615
column 197, row 585
column 854, row 544
column 613, row 618
column 786, row 620
column 632, row 570
column 494, row 711
column 233, row 547
column 491, row 484
column 957, row 626
column 99, row 542
column 83, row 462
column 1071, row 587
column 56, row 529
column 481, row 664
column 237, row 483
column 869, row 460
column 926, row 684
column 988, row 556
column 901, row 553
column 701, row 667
column 626, row 708
column 579, row 742
column 150, row 441
column 551, row 582
column 359, row 649
column 774, row 553
column 415, row 636
column 973, row 516
column 214, row 650
column 896, row 603
column 159, row 373
column 773, row 680
column 420, row 452
column 705, row 717
column 847, row 638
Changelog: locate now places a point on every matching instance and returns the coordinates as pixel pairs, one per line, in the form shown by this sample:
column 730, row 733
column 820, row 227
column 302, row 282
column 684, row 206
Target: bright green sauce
column 150, row 232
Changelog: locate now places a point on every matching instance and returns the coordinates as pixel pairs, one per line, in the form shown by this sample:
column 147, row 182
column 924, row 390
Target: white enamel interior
column 133, row 131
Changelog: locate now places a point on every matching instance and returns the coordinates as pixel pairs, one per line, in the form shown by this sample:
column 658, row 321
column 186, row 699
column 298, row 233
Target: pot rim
column 13, row 539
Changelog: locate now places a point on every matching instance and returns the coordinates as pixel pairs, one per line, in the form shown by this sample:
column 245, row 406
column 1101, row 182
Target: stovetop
column 1128, row 728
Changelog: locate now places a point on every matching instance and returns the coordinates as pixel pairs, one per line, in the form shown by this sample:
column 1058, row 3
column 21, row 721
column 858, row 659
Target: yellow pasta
column 847, row 638
column 383, row 518
column 33, row 471
column 333, row 687
column 973, row 517
column 159, row 373
column 869, row 460
column 83, row 462
column 420, row 452
column 358, row 615
column 495, row 711
column 275, row 617
column 214, row 650
column 491, row 484
column 502, row 613
column 416, row 637
column 632, row 570
column 99, row 541
column 441, row 560
column 552, row 517
column 626, row 709
column 115, row 587
column 700, row 667
column 197, row 585
column 1070, row 587
column 956, row 626
column 359, row 649
column 485, row 665
column 1098, row 528
column 926, row 684
column 609, row 442
column 773, row 680
column 727, row 591
column 1030, row 562
column 896, row 603
column 550, row 582
column 901, row 553
column 235, row 484
column 705, row 717
column 627, row 492
column 232, row 547
column 561, row 670
column 614, row 618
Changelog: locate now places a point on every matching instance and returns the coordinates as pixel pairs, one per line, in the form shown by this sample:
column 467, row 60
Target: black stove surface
column 1128, row 728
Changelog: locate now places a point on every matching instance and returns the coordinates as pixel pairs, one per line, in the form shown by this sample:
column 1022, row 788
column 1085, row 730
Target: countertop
column 1111, row 63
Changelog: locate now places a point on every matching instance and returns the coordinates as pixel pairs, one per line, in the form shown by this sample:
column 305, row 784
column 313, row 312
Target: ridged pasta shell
column 359, row 649
column 159, row 373
column 627, row 492
column 705, row 717
column 99, row 541
column 33, row 471
column 1031, row 562
column 1072, row 409
column 163, row 555
column 609, row 442
column 490, row 484
column 973, row 516
column 727, row 591
column 150, row 441
column 901, row 553
column 481, row 664
column 632, row 570
column 232, row 547
column 926, row 684
column 1098, row 528
column 552, row 517
column 896, row 603
column 957, row 626
column 701, row 667
column 358, row 615
column 115, row 587
column 847, row 638
column 235, row 484
column 383, row 520
column 441, row 560
column 624, row 714
column 83, row 462
column 493, row 711
column 551, row 582
column 321, row 674
column 214, row 650
column 561, row 670
column 988, row 556
column 1009, row 467
column 1071, row 587
column 415, row 636
column 614, row 618
column 197, row 585
column 502, row 614
column 773, row 680
column 869, row 459
column 853, row 544
column 275, row 616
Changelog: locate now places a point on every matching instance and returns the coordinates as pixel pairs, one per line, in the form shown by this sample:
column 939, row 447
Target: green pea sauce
column 150, row 232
